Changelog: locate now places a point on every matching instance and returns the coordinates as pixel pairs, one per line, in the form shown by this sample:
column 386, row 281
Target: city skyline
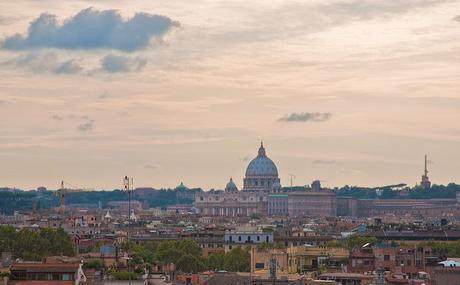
column 348, row 92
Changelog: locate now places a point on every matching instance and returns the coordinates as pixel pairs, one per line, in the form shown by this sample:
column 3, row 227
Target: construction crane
column 62, row 193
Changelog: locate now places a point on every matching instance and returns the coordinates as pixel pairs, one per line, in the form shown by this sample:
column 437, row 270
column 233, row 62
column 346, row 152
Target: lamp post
column 128, row 184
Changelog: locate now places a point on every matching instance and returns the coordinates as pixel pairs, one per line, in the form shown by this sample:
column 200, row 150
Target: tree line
column 188, row 257
column 34, row 245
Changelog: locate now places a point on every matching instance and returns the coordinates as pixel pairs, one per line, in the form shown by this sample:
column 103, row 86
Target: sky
column 348, row 91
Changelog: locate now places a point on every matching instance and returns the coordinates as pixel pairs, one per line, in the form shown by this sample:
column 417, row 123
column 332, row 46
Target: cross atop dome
column 262, row 149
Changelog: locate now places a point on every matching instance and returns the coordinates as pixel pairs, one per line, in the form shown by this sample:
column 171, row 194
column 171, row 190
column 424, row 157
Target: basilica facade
column 262, row 195
column 261, row 179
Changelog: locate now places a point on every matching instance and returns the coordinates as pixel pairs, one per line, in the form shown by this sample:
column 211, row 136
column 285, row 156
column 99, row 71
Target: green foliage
column 356, row 240
column 124, row 275
column 93, row 197
column 387, row 193
column 34, row 245
column 448, row 249
column 190, row 264
column 334, row 243
column 216, row 261
column 11, row 201
column 94, row 264
column 238, row 260
column 357, row 192
column 187, row 256
column 436, row 191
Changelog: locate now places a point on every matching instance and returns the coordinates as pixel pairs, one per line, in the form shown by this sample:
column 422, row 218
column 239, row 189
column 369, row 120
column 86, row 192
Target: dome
column 262, row 165
column 231, row 186
column 181, row 187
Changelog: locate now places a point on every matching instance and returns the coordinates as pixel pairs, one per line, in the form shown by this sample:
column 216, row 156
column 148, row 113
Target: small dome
column 231, row 186
column 262, row 165
column 181, row 187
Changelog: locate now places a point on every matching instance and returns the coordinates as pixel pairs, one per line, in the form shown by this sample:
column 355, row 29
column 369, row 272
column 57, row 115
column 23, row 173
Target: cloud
column 38, row 62
column 150, row 166
column 86, row 126
column 57, row 118
column 246, row 158
column 92, row 29
column 104, row 95
column 323, row 161
column 306, row 117
column 85, row 123
column 119, row 63
column 68, row 67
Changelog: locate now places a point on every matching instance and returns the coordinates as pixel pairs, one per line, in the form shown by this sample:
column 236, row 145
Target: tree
column 238, row 260
column 189, row 247
column 216, row 261
column 189, row 264
column 94, row 264
column 34, row 245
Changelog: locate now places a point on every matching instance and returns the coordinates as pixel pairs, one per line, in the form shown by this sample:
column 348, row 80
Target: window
column 239, row 238
column 67, row 277
column 260, row 265
column 386, row 257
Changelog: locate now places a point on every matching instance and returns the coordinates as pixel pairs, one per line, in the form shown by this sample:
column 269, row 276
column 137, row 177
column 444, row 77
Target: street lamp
column 128, row 185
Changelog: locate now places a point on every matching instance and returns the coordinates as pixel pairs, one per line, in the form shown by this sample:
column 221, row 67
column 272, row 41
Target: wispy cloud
column 120, row 63
column 104, row 95
column 150, row 166
column 84, row 123
column 92, row 29
column 86, row 126
column 57, row 117
column 306, row 117
column 246, row 158
column 47, row 62
column 323, row 161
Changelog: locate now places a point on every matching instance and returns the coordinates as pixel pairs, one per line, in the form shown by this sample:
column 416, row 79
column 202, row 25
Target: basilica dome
column 261, row 174
column 261, row 165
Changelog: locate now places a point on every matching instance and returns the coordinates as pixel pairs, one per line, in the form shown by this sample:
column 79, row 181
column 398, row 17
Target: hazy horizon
column 348, row 92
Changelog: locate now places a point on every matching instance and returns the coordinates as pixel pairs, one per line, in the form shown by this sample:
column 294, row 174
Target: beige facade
column 312, row 203
column 230, row 204
column 304, row 258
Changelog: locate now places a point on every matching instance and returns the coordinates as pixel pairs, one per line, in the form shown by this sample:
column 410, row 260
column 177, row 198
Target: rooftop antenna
column 292, row 179
column 426, row 166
